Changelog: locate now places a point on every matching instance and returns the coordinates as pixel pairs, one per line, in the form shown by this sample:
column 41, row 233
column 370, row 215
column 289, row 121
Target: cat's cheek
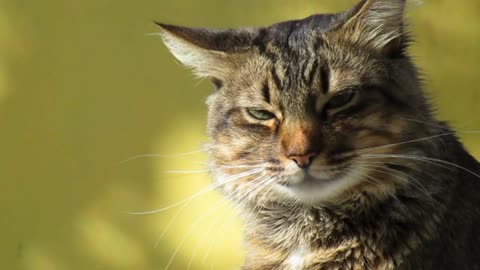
column 222, row 181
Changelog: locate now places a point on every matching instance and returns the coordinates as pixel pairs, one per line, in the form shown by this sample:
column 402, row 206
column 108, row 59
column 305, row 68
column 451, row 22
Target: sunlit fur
column 389, row 184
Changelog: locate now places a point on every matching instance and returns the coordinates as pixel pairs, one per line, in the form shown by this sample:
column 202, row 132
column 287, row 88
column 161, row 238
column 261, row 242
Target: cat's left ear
column 210, row 53
column 378, row 24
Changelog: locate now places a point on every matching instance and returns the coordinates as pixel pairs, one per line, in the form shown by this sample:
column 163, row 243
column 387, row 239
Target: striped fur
column 389, row 186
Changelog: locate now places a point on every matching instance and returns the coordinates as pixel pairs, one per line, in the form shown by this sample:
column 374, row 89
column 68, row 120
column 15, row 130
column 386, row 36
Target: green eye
column 260, row 114
column 342, row 99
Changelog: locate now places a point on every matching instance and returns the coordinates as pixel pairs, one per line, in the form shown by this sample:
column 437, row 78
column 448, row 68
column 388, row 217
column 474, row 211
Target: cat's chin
column 312, row 189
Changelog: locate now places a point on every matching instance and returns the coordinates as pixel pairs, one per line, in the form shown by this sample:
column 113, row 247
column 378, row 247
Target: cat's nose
column 303, row 161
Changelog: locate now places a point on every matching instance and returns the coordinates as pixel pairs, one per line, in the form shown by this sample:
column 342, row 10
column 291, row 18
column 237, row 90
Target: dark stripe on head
column 259, row 40
column 276, row 79
column 312, row 73
column 266, row 91
column 262, row 42
column 316, row 46
column 325, row 78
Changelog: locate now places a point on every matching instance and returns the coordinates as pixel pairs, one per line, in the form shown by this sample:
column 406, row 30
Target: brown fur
column 384, row 184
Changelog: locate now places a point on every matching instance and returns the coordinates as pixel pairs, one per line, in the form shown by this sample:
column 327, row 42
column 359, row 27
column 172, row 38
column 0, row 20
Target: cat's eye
column 342, row 99
column 259, row 114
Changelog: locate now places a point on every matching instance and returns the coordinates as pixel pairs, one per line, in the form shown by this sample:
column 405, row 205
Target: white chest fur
column 297, row 259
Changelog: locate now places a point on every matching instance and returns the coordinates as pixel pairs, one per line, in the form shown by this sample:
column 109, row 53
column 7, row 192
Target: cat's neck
column 364, row 225
column 324, row 225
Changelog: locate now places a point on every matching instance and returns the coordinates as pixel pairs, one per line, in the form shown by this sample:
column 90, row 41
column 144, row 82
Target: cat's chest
column 314, row 254
column 318, row 242
column 347, row 254
column 306, row 258
column 298, row 258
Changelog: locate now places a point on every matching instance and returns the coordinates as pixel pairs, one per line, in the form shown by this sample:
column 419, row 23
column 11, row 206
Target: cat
column 322, row 136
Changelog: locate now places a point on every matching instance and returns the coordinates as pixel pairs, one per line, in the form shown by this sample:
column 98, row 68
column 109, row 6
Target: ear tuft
column 188, row 46
column 378, row 24
column 211, row 53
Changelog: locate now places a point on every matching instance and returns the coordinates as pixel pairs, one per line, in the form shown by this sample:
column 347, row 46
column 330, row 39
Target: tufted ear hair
column 378, row 24
column 210, row 53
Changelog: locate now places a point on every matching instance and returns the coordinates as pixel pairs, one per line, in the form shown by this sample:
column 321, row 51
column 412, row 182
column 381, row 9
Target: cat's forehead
column 297, row 33
column 304, row 55
column 294, row 63
column 294, row 81
column 327, row 69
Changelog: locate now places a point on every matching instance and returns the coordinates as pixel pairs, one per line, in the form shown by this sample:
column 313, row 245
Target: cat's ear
column 378, row 24
column 210, row 53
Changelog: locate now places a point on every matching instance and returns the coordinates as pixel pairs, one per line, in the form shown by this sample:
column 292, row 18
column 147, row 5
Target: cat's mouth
column 311, row 178
column 308, row 181
column 312, row 187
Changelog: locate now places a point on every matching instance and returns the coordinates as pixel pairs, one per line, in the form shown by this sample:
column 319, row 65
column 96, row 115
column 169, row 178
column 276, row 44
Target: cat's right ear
column 210, row 53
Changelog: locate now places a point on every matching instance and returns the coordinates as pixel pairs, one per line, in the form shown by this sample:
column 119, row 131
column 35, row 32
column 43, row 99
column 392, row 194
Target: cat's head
column 298, row 104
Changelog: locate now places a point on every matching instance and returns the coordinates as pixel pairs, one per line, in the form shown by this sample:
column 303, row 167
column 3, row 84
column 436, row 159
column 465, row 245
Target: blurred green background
column 83, row 87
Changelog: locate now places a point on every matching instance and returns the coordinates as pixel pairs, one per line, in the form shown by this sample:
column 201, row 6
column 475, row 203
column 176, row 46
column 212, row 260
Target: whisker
column 139, row 156
column 259, row 179
column 436, row 124
column 232, row 166
column 215, row 239
column 190, row 231
column 257, row 186
column 426, row 123
column 165, row 156
column 172, row 220
column 374, row 181
column 370, row 149
column 169, row 224
column 425, row 159
column 385, row 188
column 188, row 171
column 265, row 196
column 203, row 216
column 378, row 167
column 203, row 239
column 201, row 192
column 416, row 182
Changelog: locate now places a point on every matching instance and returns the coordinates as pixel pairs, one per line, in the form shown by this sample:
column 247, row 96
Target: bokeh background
column 84, row 88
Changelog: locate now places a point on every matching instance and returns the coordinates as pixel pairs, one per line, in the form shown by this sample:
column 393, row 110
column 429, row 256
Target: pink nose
column 303, row 161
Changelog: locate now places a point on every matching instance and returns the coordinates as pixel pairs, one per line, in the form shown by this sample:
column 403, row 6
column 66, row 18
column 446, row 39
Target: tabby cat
column 321, row 134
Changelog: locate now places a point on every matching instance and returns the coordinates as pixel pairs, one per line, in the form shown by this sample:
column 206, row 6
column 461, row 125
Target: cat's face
column 300, row 103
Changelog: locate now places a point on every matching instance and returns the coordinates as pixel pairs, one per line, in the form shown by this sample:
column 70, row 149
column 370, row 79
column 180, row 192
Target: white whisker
column 199, row 219
column 377, row 182
column 165, row 156
column 416, row 183
column 215, row 239
column 203, row 239
column 370, row 149
column 425, row 159
column 258, row 184
column 153, row 34
column 201, row 192
column 188, row 171
column 190, row 231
